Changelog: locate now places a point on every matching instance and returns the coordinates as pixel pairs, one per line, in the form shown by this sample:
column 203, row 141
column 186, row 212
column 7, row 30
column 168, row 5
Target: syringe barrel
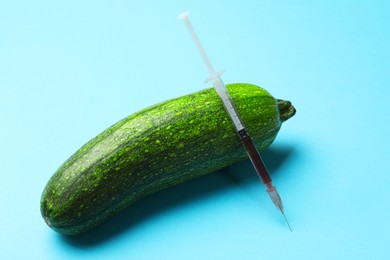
column 255, row 157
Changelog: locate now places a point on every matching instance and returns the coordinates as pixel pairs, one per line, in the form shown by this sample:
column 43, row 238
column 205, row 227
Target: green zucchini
column 156, row 148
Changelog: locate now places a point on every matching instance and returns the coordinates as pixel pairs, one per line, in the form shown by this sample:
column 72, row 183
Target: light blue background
column 70, row 69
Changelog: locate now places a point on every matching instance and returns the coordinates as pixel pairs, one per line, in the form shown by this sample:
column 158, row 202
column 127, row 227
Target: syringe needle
column 286, row 221
column 275, row 197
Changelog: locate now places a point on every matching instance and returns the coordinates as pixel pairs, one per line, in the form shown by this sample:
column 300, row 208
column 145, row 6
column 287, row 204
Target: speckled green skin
column 154, row 149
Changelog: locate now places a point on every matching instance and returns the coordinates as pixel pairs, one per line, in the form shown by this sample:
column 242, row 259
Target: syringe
column 246, row 140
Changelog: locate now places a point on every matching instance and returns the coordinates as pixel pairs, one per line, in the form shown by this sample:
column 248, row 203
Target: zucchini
column 154, row 149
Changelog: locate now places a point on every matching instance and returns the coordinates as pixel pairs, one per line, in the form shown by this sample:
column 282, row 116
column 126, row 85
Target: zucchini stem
column 286, row 109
